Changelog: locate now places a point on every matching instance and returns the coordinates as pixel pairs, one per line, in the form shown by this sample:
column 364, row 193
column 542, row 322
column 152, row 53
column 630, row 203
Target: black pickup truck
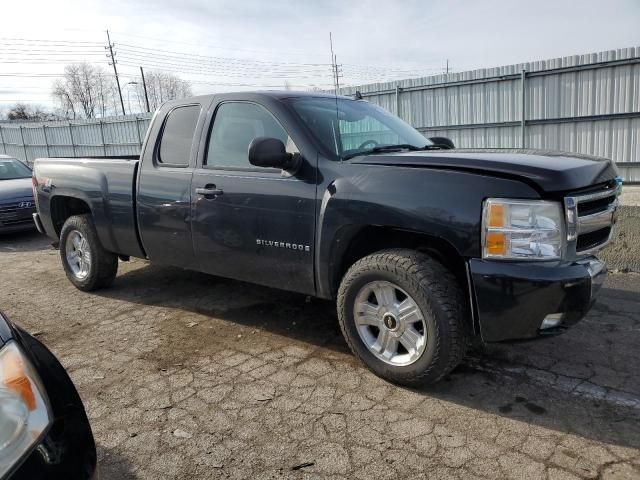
column 422, row 246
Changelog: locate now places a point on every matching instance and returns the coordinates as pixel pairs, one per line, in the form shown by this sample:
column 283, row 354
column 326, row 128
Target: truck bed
column 106, row 185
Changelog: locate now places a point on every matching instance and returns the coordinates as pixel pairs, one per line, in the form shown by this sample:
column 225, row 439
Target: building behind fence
column 586, row 104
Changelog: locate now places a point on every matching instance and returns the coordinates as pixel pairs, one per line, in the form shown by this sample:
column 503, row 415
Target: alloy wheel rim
column 390, row 323
column 78, row 254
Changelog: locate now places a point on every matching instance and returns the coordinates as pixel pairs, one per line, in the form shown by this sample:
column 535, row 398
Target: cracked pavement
column 185, row 375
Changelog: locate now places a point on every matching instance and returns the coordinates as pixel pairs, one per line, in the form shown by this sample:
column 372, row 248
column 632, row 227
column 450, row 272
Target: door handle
column 209, row 191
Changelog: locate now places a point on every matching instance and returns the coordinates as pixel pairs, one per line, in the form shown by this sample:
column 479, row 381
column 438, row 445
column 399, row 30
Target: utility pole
column 115, row 70
column 144, row 85
column 447, row 67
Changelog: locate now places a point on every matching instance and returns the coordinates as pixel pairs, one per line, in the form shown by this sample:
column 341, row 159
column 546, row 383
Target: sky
column 248, row 44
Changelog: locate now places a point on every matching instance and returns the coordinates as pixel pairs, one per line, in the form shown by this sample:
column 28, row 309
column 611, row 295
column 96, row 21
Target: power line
column 43, row 61
column 176, row 67
column 175, row 61
column 233, row 71
column 167, row 58
column 76, row 42
column 137, row 77
column 217, row 62
column 182, row 55
column 226, row 59
column 135, row 49
column 217, row 47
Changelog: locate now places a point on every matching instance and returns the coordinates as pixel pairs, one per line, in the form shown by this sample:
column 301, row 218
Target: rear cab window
column 177, row 136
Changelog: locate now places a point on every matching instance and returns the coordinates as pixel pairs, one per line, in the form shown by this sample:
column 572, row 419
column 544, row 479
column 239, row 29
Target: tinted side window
column 235, row 125
column 177, row 135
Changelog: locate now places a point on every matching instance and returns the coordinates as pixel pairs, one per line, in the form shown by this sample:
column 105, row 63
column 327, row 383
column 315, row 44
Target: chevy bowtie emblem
column 25, row 204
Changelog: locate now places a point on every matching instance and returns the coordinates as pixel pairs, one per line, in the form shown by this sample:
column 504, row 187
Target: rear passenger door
column 258, row 224
column 164, row 186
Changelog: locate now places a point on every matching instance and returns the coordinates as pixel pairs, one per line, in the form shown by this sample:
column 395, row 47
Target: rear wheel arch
column 86, row 263
column 62, row 207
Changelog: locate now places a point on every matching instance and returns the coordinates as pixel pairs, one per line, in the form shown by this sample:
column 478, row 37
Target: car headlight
column 24, row 414
column 522, row 229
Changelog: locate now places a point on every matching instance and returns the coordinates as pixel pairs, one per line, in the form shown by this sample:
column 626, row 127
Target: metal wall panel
column 108, row 136
column 583, row 103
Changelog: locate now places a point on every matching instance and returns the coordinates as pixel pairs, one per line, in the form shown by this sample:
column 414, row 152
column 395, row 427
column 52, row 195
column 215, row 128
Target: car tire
column 419, row 295
column 87, row 264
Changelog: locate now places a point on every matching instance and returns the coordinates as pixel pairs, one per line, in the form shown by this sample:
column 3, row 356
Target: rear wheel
column 402, row 314
column 87, row 264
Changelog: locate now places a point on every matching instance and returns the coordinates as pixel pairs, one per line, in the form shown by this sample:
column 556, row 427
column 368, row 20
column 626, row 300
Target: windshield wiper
column 390, row 148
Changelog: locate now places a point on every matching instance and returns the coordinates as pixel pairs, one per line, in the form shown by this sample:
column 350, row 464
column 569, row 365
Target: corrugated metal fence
column 109, row 136
column 586, row 104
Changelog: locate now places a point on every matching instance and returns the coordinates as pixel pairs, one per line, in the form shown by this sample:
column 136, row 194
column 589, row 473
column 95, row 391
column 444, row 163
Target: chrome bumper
column 38, row 222
column 598, row 272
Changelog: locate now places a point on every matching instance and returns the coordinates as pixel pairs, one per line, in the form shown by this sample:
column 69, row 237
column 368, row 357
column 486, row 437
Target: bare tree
column 85, row 91
column 161, row 87
column 88, row 91
column 22, row 111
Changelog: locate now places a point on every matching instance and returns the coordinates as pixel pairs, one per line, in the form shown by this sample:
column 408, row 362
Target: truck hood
column 16, row 189
column 550, row 171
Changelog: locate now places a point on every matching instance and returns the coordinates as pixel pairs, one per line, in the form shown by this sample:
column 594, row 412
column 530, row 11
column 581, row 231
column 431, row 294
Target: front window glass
column 235, row 126
column 10, row 169
column 346, row 127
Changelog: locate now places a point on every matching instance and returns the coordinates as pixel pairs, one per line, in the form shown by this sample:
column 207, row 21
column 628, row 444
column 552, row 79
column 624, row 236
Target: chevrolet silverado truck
column 422, row 247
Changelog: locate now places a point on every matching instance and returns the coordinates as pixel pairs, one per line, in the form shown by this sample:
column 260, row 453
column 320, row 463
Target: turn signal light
column 496, row 215
column 14, row 377
column 495, row 243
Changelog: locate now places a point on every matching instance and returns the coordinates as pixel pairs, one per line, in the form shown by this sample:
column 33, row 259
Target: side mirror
column 270, row 153
column 443, row 142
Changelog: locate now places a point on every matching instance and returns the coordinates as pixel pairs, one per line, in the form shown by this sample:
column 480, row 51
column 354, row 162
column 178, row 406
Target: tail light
column 34, row 185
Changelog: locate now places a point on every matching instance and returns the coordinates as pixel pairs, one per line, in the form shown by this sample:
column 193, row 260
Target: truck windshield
column 350, row 127
column 10, row 169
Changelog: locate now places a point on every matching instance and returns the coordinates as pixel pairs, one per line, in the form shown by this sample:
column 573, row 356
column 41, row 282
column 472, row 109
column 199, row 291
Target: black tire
column 438, row 296
column 103, row 265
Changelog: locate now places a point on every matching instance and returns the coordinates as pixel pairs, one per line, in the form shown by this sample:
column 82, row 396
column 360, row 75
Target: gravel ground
column 190, row 376
column 623, row 252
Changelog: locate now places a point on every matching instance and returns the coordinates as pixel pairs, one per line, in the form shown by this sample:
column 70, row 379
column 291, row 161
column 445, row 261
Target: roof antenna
column 357, row 95
column 334, row 68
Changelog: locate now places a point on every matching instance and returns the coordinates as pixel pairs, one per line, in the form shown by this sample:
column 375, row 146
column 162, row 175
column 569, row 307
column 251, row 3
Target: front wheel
column 402, row 313
column 87, row 265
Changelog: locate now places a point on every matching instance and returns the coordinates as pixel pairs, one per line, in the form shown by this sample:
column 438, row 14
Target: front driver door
column 250, row 223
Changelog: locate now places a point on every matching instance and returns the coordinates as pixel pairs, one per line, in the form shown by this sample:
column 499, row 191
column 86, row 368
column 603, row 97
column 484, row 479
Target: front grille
column 18, row 213
column 597, row 205
column 591, row 240
column 590, row 218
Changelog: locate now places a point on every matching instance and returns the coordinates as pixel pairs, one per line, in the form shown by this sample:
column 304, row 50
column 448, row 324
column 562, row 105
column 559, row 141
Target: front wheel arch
column 354, row 242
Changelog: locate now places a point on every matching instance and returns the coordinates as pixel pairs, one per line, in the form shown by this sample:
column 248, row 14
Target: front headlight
column 24, row 414
column 522, row 229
